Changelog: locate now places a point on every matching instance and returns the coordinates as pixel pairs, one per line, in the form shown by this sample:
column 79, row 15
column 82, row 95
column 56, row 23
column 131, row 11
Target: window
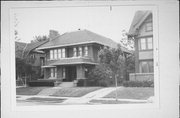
column 143, row 44
column 80, row 51
column 74, row 52
column 53, row 72
column 63, row 53
column 55, row 54
column 146, row 67
column 85, row 51
column 64, row 72
column 149, row 26
column 51, row 54
column 149, row 43
column 146, row 43
column 59, row 53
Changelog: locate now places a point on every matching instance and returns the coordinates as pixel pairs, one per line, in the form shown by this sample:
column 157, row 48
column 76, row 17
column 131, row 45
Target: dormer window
column 149, row 26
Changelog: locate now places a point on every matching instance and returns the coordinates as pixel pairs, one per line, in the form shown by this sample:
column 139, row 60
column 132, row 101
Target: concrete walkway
column 92, row 95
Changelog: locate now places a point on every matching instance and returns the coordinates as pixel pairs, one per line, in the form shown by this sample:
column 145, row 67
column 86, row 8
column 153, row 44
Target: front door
column 70, row 73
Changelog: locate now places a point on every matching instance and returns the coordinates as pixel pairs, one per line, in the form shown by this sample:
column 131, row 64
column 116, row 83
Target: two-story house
column 35, row 58
column 70, row 56
column 141, row 30
column 27, row 53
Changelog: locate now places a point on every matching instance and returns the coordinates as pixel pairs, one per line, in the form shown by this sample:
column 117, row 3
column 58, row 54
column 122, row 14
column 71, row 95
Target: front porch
column 67, row 75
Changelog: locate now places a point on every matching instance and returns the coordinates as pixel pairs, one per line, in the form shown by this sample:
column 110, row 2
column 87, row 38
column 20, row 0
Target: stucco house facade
column 70, row 56
column 141, row 30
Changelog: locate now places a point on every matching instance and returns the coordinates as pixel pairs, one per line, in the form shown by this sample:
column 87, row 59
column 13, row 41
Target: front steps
column 67, row 84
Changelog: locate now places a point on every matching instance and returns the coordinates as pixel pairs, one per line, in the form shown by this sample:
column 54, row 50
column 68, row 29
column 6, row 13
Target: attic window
column 149, row 26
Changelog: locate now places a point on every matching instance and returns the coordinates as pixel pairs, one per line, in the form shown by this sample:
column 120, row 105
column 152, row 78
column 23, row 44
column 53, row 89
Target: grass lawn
column 29, row 90
column 114, row 102
column 74, row 91
column 141, row 93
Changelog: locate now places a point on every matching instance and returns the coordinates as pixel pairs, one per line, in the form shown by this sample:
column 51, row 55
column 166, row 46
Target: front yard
column 60, row 92
column 75, row 91
column 141, row 93
column 29, row 90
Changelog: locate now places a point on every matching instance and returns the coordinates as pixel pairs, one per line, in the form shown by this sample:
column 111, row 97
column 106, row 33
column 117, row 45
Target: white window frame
column 86, row 51
column 74, row 52
column 55, row 53
column 51, row 54
column 80, row 52
column 142, row 45
column 59, row 54
column 149, row 43
column 63, row 55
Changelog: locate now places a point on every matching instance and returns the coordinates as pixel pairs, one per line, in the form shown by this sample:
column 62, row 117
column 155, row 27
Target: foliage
column 114, row 60
column 111, row 66
column 40, row 38
column 138, row 83
column 22, row 68
column 130, row 63
column 127, row 40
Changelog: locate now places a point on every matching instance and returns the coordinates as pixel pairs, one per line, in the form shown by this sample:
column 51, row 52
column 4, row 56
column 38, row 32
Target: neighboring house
column 28, row 53
column 35, row 58
column 70, row 56
column 141, row 30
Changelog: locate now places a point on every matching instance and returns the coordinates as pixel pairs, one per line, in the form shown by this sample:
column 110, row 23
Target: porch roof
column 71, row 61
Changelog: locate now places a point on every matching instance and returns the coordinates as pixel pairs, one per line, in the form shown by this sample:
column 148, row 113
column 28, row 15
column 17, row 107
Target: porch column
column 80, row 72
column 46, row 73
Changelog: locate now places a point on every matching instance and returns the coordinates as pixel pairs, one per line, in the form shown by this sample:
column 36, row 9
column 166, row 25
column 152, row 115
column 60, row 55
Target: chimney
column 53, row 34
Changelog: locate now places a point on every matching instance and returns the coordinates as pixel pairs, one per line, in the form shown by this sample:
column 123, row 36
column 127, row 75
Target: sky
column 106, row 21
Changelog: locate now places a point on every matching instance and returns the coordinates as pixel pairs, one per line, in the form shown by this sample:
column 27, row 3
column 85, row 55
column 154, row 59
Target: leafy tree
column 111, row 66
column 40, row 38
column 113, row 59
column 101, row 76
column 127, row 40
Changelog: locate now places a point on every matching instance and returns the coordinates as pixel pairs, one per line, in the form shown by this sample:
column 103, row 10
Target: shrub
column 86, row 82
column 138, row 83
column 41, row 83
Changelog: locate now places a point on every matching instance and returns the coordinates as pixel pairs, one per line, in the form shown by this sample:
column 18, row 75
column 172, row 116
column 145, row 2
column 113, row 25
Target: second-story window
column 80, row 52
column 59, row 53
column 51, row 54
column 63, row 53
column 55, row 54
column 146, row 43
column 85, row 51
column 150, row 43
column 74, row 52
